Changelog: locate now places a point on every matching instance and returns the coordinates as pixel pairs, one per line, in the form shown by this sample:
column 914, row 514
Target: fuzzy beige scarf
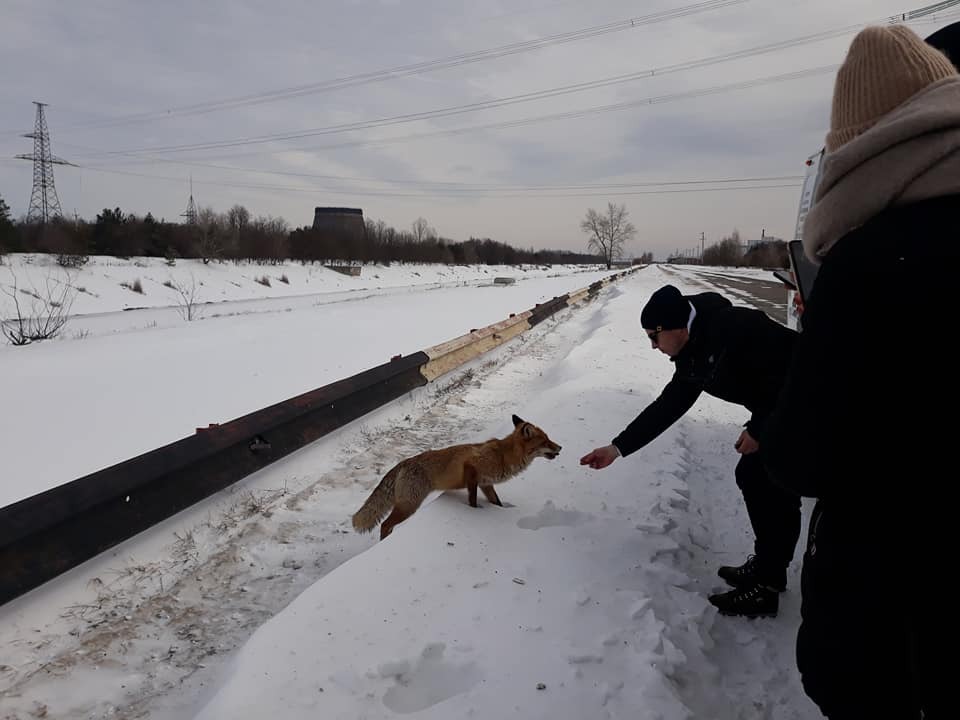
column 912, row 154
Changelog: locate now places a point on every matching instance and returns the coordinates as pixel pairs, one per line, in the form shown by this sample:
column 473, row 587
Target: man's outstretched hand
column 601, row 457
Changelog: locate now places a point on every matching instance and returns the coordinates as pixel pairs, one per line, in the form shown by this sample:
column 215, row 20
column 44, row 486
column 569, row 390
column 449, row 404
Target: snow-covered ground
column 121, row 383
column 584, row 597
column 103, row 285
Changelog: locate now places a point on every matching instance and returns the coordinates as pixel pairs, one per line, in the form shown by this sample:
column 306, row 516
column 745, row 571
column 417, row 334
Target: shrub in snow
column 46, row 315
column 188, row 298
column 72, row 261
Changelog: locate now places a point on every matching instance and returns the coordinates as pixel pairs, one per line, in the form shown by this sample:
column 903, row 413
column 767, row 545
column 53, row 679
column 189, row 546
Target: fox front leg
column 491, row 494
column 470, row 480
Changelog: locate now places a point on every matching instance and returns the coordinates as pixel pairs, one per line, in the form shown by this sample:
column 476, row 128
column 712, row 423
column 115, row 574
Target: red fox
column 479, row 465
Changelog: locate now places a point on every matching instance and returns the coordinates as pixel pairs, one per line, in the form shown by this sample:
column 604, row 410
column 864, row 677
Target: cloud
column 98, row 61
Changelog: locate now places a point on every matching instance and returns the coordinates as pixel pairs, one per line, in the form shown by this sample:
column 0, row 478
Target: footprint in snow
column 551, row 516
column 428, row 681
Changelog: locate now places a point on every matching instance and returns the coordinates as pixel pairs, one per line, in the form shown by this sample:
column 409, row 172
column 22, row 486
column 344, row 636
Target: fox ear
column 517, row 421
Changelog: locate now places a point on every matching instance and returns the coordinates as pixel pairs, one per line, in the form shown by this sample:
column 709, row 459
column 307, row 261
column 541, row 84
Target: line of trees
column 731, row 252
column 237, row 235
column 769, row 254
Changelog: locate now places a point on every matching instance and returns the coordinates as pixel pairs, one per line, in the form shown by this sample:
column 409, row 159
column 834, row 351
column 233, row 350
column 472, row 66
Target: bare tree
column 273, row 225
column 269, row 238
column 236, row 220
column 208, row 217
column 188, row 298
column 422, row 230
column 238, row 217
column 213, row 228
column 608, row 232
column 46, row 315
column 380, row 231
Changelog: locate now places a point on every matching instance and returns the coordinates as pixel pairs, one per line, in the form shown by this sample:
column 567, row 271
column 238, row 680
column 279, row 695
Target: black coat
column 733, row 353
column 867, row 424
column 868, row 414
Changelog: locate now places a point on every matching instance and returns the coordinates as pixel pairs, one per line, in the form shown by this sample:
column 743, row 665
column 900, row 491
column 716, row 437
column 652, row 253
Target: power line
column 465, row 186
column 923, row 15
column 792, row 180
column 508, row 124
column 694, row 186
column 511, row 100
column 430, row 114
column 417, row 68
column 928, row 10
column 516, row 123
column 614, row 107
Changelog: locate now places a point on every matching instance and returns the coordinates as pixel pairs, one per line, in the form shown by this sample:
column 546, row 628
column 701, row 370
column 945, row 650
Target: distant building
column 345, row 226
column 344, row 223
column 748, row 245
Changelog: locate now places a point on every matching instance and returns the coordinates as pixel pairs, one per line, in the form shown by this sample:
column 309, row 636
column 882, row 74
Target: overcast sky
column 118, row 76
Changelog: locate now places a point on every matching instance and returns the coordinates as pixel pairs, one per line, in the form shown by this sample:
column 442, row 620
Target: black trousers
column 876, row 617
column 774, row 514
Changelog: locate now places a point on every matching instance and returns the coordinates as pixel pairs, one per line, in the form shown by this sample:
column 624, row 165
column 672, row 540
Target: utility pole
column 44, row 203
column 191, row 213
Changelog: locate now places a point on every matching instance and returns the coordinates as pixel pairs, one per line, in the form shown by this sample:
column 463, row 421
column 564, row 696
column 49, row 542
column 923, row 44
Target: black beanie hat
column 666, row 309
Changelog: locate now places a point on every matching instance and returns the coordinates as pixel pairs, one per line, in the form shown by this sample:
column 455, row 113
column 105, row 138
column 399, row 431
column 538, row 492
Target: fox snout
column 535, row 441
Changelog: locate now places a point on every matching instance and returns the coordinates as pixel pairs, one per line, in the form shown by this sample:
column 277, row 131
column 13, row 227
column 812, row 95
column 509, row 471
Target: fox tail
column 378, row 504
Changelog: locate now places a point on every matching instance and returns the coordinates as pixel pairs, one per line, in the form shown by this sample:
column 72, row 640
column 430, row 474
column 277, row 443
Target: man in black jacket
column 739, row 355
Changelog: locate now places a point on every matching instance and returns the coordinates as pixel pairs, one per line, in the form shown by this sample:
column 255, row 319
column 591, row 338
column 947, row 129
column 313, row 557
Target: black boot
column 751, row 573
column 751, row 601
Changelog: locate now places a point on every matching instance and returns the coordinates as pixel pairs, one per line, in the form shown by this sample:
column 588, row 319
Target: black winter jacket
column 868, row 414
column 735, row 354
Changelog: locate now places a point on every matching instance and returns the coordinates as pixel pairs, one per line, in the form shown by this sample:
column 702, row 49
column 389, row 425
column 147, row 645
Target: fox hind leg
column 401, row 511
column 410, row 493
column 491, row 494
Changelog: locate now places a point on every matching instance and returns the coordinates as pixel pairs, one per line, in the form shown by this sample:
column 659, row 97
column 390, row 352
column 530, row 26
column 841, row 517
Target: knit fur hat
column 884, row 68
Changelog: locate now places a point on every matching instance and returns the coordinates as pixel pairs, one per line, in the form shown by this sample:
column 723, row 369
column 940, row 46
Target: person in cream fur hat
column 865, row 421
